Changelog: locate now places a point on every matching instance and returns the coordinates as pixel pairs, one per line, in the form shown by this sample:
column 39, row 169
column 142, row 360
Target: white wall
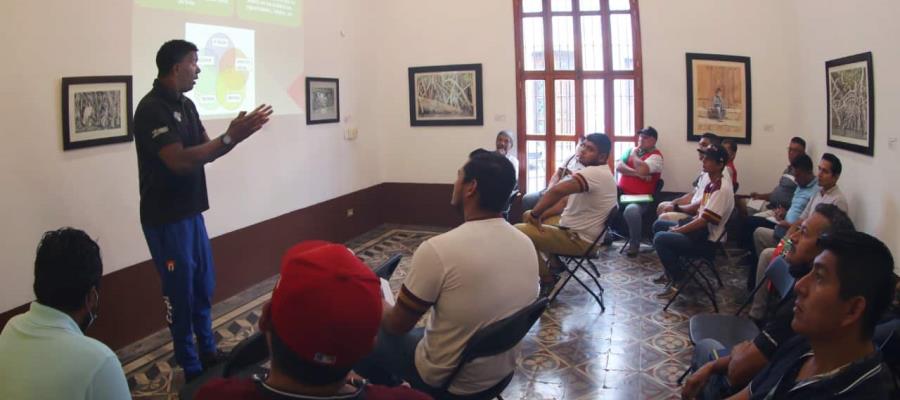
column 832, row 29
column 286, row 167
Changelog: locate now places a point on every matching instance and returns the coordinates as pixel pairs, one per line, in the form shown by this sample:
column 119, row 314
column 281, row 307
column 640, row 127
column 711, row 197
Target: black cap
column 649, row 131
column 716, row 153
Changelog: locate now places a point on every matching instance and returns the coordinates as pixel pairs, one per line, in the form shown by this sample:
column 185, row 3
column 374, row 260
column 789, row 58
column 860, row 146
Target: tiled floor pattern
column 632, row 351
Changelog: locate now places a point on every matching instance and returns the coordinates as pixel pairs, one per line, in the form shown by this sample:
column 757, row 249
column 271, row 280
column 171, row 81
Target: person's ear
column 856, row 310
column 471, row 188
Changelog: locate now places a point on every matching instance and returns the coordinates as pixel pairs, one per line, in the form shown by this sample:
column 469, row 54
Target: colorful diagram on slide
column 226, row 59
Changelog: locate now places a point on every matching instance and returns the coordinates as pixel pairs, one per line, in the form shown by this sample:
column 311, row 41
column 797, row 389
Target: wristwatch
column 226, row 140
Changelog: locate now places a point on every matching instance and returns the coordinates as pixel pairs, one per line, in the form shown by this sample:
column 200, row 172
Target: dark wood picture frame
column 96, row 110
column 465, row 113
column 719, row 119
column 854, row 99
column 320, row 109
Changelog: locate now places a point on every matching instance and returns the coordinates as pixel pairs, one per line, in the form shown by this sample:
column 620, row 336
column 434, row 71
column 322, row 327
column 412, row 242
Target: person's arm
column 402, row 317
column 556, row 193
column 696, row 224
column 420, row 290
column 624, row 169
column 181, row 160
column 742, row 395
column 556, row 209
column 745, row 362
column 698, row 379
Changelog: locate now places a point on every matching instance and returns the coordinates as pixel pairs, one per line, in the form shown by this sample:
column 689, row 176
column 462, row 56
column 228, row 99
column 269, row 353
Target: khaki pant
column 552, row 240
column 671, row 216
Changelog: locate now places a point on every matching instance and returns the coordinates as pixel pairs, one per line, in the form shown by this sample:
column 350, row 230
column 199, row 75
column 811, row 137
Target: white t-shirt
column 586, row 211
column 480, row 272
column 716, row 205
column 515, row 163
column 698, row 190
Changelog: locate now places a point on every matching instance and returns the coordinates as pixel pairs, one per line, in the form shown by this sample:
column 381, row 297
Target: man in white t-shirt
column 481, row 272
column 569, row 228
column 686, row 205
column 695, row 236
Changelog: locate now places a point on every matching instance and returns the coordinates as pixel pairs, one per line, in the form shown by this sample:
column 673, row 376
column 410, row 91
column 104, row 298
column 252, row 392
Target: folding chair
column 693, row 265
column 646, row 223
column 386, row 269
column 580, row 261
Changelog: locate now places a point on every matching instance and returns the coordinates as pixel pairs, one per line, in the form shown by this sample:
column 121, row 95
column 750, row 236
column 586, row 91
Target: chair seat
column 489, row 393
column 726, row 329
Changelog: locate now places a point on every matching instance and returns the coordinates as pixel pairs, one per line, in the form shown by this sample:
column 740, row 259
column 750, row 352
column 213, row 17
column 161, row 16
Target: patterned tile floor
column 634, row 350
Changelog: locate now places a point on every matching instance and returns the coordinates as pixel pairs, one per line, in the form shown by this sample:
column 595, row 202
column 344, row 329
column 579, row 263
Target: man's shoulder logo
column 177, row 115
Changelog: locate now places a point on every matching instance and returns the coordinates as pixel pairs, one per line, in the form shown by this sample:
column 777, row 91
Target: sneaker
column 667, row 293
column 209, row 360
column 661, row 280
column 632, row 252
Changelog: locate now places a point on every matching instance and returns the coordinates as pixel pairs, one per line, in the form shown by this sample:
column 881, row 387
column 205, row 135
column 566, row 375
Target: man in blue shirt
column 807, row 186
column 44, row 353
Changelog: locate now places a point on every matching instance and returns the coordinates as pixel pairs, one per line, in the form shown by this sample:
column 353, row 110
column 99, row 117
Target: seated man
column 838, row 305
column 730, row 373
column 563, row 173
column 591, row 196
column 323, row 317
column 695, row 235
column 639, row 171
column 466, row 283
column 730, row 146
column 504, row 143
column 44, row 353
column 687, row 204
column 807, row 186
column 783, row 191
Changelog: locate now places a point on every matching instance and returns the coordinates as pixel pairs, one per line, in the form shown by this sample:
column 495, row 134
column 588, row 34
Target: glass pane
column 589, row 5
column 623, row 101
column 622, row 52
column 563, row 43
column 561, row 5
column 535, row 108
column 565, row 107
column 617, row 5
column 591, row 43
column 533, row 42
column 594, row 118
column 536, row 176
column 531, row 6
column 564, row 152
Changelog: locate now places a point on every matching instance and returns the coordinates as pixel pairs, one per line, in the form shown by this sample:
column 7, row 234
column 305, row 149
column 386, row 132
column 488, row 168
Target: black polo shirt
column 867, row 378
column 164, row 117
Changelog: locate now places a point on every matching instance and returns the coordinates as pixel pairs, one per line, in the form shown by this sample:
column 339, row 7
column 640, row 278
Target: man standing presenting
column 172, row 149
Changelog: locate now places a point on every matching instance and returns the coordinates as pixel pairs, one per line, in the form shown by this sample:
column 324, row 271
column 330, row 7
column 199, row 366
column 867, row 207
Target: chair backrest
column 499, row 336
column 779, row 274
column 251, row 351
column 386, row 269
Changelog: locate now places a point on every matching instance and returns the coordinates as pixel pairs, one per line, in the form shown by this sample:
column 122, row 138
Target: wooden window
column 578, row 71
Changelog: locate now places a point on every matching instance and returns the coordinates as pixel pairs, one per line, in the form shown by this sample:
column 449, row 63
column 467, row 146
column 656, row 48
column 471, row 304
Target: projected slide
column 281, row 12
column 226, row 61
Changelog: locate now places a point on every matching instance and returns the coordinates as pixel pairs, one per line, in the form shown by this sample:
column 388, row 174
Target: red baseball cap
column 326, row 306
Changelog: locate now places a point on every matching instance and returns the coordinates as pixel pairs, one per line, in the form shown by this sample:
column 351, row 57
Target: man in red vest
column 639, row 170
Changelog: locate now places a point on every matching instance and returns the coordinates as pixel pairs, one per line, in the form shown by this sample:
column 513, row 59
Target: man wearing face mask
column 44, row 353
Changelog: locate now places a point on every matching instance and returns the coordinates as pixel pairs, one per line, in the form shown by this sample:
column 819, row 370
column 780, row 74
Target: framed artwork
column 445, row 95
column 96, row 110
column 323, row 100
column 851, row 103
column 718, row 96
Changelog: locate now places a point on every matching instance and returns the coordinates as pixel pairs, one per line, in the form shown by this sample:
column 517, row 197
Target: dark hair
column 495, row 175
column 712, row 137
column 799, row 140
column 730, row 144
column 600, row 141
column 171, row 53
column 802, row 163
column 300, row 370
column 834, row 161
column 838, row 220
column 865, row 268
column 505, row 133
column 66, row 267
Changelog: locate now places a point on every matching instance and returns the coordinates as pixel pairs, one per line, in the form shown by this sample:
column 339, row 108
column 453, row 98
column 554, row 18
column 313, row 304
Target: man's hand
column 696, row 381
column 664, row 207
column 780, row 213
column 530, row 219
column 244, row 125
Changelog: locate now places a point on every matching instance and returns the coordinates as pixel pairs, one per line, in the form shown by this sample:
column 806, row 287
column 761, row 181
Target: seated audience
column 766, row 235
column 639, row 171
column 784, row 190
column 694, row 235
column 504, row 143
column 563, row 173
column 44, row 353
column 569, row 228
column 730, row 146
column 322, row 319
column 839, row 302
column 466, row 283
column 728, row 374
column 686, row 205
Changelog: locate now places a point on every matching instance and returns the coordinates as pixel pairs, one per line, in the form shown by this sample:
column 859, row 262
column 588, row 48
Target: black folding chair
column 386, row 269
column 580, row 261
column 693, row 265
column 496, row 338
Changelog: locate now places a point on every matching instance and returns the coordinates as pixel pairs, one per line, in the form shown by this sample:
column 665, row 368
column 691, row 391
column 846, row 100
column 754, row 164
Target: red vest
column 635, row 185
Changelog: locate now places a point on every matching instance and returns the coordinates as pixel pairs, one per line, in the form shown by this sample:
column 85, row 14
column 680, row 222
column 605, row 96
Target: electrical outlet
column 349, row 212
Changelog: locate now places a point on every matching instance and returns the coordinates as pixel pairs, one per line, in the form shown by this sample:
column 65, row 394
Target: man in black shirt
column 838, row 304
column 172, row 149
